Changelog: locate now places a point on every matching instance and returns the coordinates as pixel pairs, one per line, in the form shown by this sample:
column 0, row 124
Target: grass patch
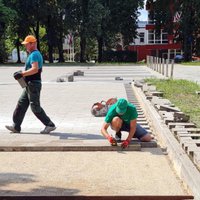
column 181, row 93
column 191, row 63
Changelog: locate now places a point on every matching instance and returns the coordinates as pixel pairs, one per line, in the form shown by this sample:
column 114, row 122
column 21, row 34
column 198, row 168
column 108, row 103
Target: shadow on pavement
column 19, row 178
column 77, row 136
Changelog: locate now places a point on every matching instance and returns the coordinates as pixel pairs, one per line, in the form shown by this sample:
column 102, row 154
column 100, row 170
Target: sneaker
column 48, row 129
column 12, row 129
column 118, row 136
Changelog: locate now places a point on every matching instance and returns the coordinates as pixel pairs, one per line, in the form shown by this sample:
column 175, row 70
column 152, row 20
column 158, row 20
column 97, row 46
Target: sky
column 143, row 16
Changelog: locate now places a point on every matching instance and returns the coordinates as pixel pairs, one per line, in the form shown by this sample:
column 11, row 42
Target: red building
column 149, row 43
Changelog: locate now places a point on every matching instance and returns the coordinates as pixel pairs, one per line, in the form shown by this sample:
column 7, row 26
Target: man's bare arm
column 32, row 70
column 104, row 129
column 133, row 124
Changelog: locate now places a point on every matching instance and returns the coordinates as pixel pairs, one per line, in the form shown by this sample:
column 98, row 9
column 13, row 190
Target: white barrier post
column 167, row 67
column 172, row 69
column 163, row 66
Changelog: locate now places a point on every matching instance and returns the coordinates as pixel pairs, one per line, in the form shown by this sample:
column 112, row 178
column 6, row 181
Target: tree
column 120, row 17
column 27, row 21
column 124, row 16
column 102, row 20
column 76, row 15
column 6, row 15
column 186, row 28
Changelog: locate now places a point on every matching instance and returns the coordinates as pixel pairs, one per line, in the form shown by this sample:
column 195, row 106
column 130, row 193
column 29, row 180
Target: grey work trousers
column 30, row 96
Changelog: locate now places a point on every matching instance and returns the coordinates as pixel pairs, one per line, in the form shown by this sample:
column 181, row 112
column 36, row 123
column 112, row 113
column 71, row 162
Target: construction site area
column 75, row 161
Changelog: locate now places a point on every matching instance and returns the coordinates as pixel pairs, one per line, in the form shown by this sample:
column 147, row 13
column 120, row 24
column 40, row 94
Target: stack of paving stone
column 65, row 78
column 142, row 120
column 70, row 76
column 178, row 122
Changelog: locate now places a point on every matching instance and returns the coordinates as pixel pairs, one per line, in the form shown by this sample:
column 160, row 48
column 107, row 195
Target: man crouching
column 122, row 116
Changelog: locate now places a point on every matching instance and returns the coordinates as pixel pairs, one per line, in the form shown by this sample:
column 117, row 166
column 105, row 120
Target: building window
column 141, row 36
column 164, row 38
column 154, row 38
column 151, row 37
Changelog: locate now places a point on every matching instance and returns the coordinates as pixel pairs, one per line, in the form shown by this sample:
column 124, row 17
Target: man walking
column 31, row 93
column 122, row 116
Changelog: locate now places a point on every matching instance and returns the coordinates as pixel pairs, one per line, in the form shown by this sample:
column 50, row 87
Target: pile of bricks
column 70, row 76
column 142, row 120
column 178, row 122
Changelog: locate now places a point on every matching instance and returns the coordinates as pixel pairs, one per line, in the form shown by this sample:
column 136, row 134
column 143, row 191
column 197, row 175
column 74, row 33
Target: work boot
column 48, row 129
column 12, row 129
column 118, row 136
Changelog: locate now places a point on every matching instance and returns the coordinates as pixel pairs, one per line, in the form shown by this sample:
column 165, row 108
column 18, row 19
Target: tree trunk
column 187, row 49
column 60, row 42
column 100, row 49
column 83, row 29
column 188, row 29
column 49, row 40
column 50, row 52
column 37, row 34
column 83, row 48
column 18, row 51
column 60, row 51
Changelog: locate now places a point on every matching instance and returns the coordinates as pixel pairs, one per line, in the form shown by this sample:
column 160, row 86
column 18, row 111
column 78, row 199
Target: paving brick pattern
column 78, row 173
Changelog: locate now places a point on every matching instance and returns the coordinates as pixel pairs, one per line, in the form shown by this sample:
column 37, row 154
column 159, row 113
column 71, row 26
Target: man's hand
column 17, row 75
column 125, row 143
column 112, row 140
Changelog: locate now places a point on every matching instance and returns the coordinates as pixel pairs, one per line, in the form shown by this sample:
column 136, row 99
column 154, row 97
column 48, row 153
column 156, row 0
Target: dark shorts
column 139, row 133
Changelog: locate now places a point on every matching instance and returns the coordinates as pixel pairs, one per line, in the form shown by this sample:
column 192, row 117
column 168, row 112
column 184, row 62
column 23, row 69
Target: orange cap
column 29, row 39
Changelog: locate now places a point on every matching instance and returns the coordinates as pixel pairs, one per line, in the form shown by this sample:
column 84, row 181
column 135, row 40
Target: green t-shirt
column 130, row 114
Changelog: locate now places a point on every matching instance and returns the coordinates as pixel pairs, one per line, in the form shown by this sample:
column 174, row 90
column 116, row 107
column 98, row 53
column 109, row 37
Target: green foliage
column 195, row 63
column 163, row 15
column 123, row 17
column 6, row 15
column 186, row 30
column 119, row 56
column 95, row 22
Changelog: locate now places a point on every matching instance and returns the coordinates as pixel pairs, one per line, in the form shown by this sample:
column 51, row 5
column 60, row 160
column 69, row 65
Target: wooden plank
column 115, row 197
column 132, row 147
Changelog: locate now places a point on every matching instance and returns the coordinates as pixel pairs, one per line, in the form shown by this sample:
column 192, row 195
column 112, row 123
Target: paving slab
column 145, row 172
column 88, row 173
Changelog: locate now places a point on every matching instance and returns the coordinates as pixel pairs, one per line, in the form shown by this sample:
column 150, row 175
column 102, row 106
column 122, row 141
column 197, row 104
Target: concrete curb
column 86, row 145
